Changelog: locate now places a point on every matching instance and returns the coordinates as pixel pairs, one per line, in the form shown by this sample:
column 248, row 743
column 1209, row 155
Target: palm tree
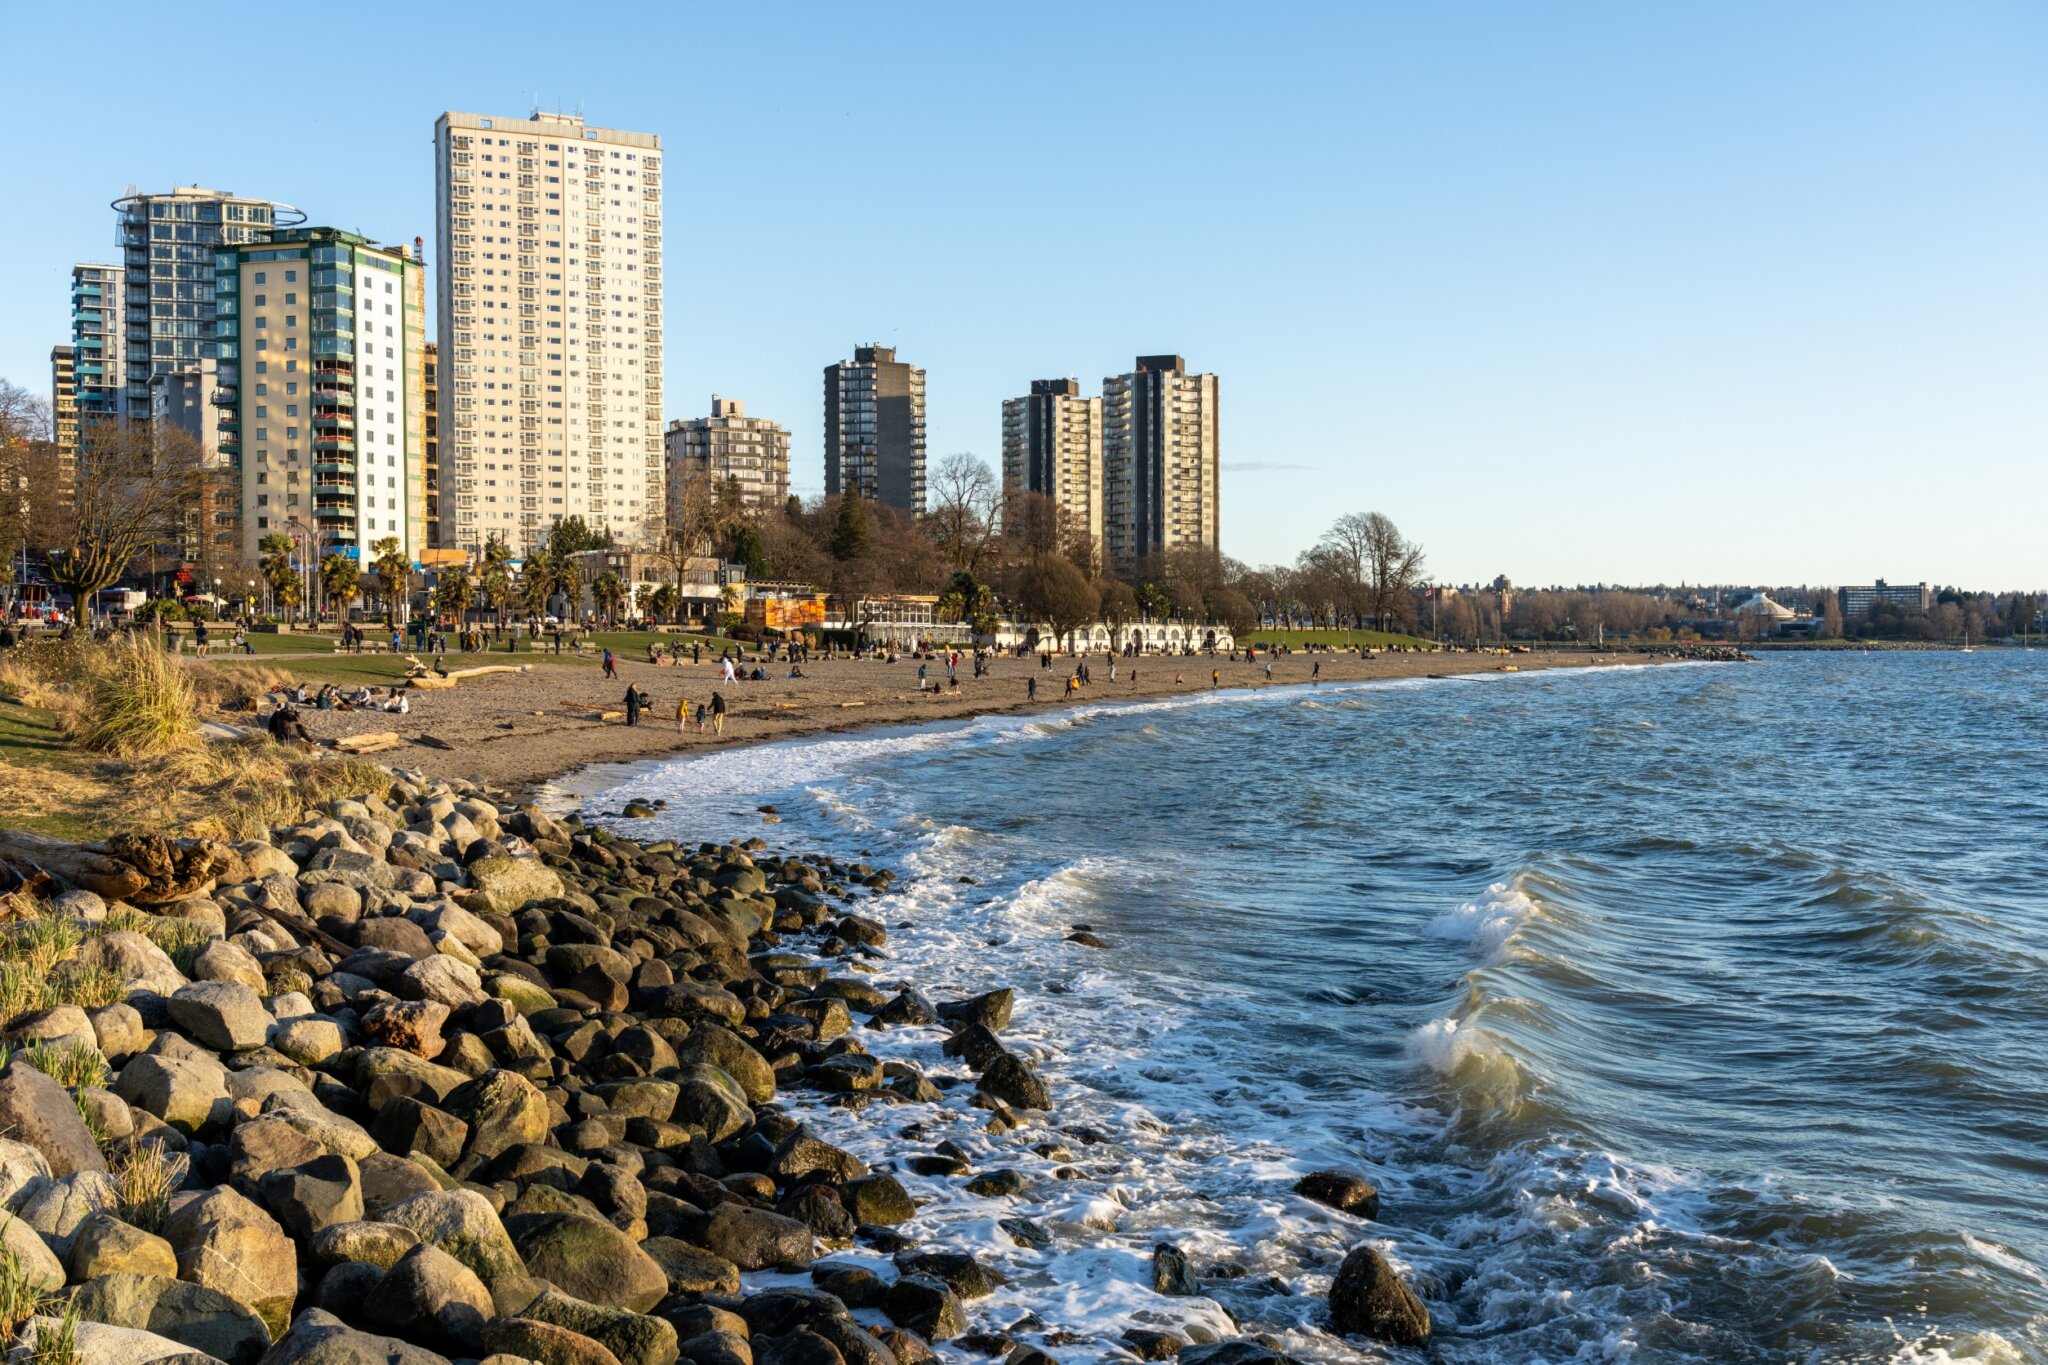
column 451, row 594
column 608, row 593
column 536, row 583
column 663, row 602
column 394, row 576
column 275, row 564
column 495, row 578
column 342, row 578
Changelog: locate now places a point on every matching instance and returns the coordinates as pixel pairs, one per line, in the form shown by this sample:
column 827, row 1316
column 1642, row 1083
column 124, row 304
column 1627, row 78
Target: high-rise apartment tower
column 1052, row 445
column 1160, row 462
column 751, row 454
column 874, row 428
column 322, row 389
column 167, row 243
column 549, row 298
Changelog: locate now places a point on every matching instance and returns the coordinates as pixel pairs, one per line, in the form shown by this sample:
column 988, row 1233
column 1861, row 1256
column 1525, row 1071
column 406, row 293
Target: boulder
column 39, row 1265
column 443, row 979
column 991, row 1010
column 1369, row 1299
column 711, row 1100
column 1009, row 1079
column 309, row 1042
column 406, row 1125
column 925, row 1306
column 878, row 1200
column 199, row 1318
column 320, row 1338
column 1345, row 1193
column 56, row 1208
column 224, row 1242
column 431, row 1294
column 408, row 1025
column 317, row 1195
column 716, row 1045
column 755, row 1239
column 692, row 1270
column 104, row 1245
column 507, row 885
column 95, row 1343
column 188, row 1093
column 377, row 1244
column 141, row 965
column 36, row 1110
column 589, row 1259
column 1171, row 1273
column 543, row 1342
column 463, row 1224
column 221, row 960
column 634, row 1338
column 20, row 1166
column 1234, row 1353
column 224, row 1015
column 502, row 1110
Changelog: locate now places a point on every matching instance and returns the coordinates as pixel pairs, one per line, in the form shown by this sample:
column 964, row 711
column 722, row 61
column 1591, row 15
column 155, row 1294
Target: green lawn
column 42, row 775
column 1336, row 639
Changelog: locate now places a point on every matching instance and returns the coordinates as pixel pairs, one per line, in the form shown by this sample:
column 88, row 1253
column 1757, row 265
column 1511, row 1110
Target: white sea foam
column 1488, row 923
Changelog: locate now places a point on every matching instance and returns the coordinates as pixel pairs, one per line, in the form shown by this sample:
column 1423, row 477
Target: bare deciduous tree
column 962, row 500
column 133, row 488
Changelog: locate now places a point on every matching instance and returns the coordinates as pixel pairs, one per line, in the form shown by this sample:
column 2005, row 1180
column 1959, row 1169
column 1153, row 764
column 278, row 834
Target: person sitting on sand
column 796, row 670
column 285, row 726
column 327, row 697
column 952, row 684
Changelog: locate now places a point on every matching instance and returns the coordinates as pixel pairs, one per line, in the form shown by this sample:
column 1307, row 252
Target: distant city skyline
column 1599, row 294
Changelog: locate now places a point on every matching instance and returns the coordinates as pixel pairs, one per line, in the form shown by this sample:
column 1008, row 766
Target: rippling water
column 1693, row 1013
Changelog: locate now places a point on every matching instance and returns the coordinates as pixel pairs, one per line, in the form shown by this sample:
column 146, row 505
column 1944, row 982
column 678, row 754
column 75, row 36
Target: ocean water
column 1695, row 1013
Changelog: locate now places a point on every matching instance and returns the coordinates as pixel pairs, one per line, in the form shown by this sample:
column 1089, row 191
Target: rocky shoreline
column 431, row 1078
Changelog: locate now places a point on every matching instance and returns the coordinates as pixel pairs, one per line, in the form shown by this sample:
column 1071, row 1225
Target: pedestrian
column 1215, row 677
column 632, row 705
column 920, row 678
column 700, row 718
column 611, row 665
column 1316, row 673
column 683, row 716
column 1031, row 689
column 1269, row 669
column 718, row 713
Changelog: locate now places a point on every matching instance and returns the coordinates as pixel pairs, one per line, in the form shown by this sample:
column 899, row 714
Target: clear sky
column 1573, row 292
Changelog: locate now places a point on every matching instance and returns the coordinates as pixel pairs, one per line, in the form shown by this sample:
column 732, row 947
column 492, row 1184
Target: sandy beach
column 515, row 730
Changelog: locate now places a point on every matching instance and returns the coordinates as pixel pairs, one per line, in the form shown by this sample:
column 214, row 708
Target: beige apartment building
column 1160, row 461
column 1052, row 444
column 321, row 398
column 730, row 448
column 549, row 301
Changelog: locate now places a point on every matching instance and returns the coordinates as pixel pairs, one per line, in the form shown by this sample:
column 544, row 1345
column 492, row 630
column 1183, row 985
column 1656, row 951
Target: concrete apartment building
column 64, row 413
column 874, row 429
column 1911, row 596
column 321, row 342
column 1052, row 444
column 1160, row 461
column 729, row 447
column 550, row 327
column 430, row 441
column 99, row 334
column 167, row 243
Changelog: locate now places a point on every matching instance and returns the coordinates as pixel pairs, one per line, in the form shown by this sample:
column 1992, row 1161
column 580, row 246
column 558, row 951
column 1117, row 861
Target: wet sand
column 516, row 730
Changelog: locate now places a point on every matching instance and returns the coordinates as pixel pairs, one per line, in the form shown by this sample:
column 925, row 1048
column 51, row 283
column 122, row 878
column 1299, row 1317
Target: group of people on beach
column 331, row 697
column 709, row 718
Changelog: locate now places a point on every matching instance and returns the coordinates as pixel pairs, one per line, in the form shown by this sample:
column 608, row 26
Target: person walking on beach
column 1269, row 669
column 1315, row 674
column 920, row 678
column 611, row 665
column 730, row 675
column 718, row 713
column 1215, row 677
column 632, row 705
column 683, row 716
column 1031, row 689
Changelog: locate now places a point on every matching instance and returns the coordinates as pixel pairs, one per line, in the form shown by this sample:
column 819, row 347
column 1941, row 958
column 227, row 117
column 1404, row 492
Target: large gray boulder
column 201, row 1319
column 508, row 885
column 94, row 1343
column 320, row 1338
column 502, row 1109
column 36, row 1110
column 224, row 1015
column 588, row 1259
column 431, row 1295
column 188, row 1093
column 227, row 1243
column 755, row 1239
column 462, row 1223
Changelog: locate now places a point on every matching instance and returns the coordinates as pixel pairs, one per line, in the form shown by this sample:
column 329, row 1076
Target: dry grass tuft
column 145, row 1178
column 74, row 1064
column 139, row 700
column 20, row 1300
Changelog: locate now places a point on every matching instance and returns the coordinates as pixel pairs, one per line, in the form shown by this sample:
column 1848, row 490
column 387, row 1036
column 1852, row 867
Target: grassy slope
column 45, row 784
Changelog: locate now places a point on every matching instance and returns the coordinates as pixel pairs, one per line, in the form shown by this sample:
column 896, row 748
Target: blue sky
column 1573, row 292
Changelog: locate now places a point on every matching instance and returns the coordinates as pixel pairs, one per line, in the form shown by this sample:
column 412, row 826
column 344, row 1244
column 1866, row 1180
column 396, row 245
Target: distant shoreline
column 520, row 731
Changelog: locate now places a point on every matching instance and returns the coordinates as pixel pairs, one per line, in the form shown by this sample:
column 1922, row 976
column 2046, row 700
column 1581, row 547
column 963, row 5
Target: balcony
column 334, row 398
column 336, row 464
column 330, row 504
column 334, row 421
